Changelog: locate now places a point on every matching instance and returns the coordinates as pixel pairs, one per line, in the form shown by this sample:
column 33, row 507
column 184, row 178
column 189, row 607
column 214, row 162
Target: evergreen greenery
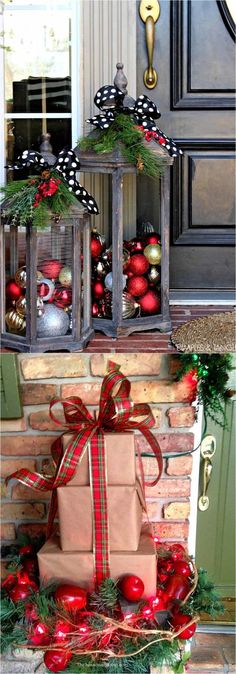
column 107, row 596
column 18, row 205
column 204, row 599
column 212, row 372
column 129, row 138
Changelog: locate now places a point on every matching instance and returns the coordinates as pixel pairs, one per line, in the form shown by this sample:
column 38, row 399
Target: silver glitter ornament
column 53, row 323
column 154, row 275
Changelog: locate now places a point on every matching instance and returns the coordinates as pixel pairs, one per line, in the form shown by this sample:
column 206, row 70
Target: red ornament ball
column 150, row 303
column 182, row 569
column 57, row 660
column 50, row 268
column 98, row 289
column 132, row 587
column 177, row 587
column 39, row 634
column 138, row 264
column 96, row 247
column 9, row 582
column 95, row 309
column 19, row 592
column 137, row 286
column 62, row 297
column 153, row 237
column 182, row 619
column 71, row 597
column 177, row 551
column 26, row 550
column 61, row 631
column 13, row 291
column 31, row 612
column 135, row 246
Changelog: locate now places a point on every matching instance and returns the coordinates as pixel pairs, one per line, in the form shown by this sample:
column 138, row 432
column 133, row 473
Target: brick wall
column 26, row 442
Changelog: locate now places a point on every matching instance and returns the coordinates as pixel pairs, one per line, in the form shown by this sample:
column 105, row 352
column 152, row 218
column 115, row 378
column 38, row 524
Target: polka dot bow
column 66, row 164
column 109, row 99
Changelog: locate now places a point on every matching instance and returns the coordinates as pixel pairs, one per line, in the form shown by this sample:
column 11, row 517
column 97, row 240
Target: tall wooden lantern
column 123, row 315
column 46, row 284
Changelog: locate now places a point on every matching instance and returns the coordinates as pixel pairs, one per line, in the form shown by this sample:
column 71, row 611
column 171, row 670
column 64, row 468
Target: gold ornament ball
column 14, row 321
column 21, row 306
column 153, row 253
column 20, row 277
column 65, row 276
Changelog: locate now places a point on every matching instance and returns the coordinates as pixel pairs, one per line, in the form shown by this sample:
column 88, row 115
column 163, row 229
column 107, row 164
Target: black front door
column 194, row 57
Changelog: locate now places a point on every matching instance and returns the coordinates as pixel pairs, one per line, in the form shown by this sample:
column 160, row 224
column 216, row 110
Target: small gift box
column 78, row 567
column 120, row 459
column 75, row 507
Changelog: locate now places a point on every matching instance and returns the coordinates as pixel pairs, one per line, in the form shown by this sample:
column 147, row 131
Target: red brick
column 169, row 442
column 8, row 532
column 11, row 465
column 181, row 465
column 160, row 391
column 40, row 421
column 89, row 391
column 37, row 394
column 48, row 467
column 56, row 366
column 12, row 425
column 26, row 511
column 171, row 530
column 32, row 529
column 176, row 511
column 154, row 510
column 22, row 493
column 181, row 416
column 174, row 364
column 131, row 364
column 31, row 445
column 3, row 489
column 167, row 488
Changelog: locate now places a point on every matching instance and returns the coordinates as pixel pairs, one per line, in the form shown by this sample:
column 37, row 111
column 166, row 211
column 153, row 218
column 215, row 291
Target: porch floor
column 151, row 340
column 212, row 654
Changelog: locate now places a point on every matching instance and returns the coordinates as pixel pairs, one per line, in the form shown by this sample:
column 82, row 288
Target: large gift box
column 78, row 567
column 120, row 459
column 125, row 505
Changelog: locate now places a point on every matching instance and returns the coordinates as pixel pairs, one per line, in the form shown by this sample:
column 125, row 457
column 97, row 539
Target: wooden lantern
column 117, row 166
column 46, row 284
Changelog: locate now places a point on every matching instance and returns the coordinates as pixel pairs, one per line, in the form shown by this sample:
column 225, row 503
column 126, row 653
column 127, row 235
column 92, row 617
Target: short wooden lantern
column 117, row 166
column 46, row 284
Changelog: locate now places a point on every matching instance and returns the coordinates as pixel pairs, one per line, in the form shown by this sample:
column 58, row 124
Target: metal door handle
column 208, row 448
column 150, row 12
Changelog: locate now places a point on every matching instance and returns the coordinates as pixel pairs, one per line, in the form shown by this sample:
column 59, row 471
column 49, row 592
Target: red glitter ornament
column 151, row 238
column 138, row 264
column 13, row 291
column 62, row 297
column 71, row 597
column 137, row 286
column 150, row 303
column 96, row 247
column 58, row 660
column 131, row 587
column 39, row 634
column 98, row 289
column 50, row 268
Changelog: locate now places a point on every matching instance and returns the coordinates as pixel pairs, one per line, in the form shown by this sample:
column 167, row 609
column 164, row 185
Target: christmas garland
column 123, row 133
column 207, row 376
column 84, row 633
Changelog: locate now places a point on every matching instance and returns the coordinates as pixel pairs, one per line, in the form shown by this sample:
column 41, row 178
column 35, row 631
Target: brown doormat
column 209, row 334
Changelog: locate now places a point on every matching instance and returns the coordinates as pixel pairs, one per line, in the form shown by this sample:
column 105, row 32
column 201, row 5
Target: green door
column 216, row 525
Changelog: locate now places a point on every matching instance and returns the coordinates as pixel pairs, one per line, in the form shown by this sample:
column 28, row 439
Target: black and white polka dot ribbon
column 66, row 164
column 109, row 99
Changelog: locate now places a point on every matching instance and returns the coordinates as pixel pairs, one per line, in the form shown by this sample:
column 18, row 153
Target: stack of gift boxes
column 68, row 557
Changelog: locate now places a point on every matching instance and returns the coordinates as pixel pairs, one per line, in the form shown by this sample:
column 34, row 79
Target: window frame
column 76, row 88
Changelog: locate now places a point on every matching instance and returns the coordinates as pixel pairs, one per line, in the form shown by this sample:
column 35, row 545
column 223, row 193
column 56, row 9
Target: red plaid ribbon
column 116, row 413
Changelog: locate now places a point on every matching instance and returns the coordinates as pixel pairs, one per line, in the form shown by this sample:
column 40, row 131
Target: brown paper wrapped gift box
column 124, row 504
column 78, row 567
column 120, row 453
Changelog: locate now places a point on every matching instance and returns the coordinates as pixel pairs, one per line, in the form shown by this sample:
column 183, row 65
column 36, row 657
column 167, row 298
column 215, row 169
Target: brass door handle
column 150, row 12
column 208, row 448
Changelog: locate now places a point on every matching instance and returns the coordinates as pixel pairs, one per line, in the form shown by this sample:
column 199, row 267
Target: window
column 40, row 55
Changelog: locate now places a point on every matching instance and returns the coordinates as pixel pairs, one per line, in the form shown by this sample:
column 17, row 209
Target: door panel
column 216, row 526
column 194, row 58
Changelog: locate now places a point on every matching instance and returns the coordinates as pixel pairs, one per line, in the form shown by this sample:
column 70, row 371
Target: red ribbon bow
column 117, row 412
